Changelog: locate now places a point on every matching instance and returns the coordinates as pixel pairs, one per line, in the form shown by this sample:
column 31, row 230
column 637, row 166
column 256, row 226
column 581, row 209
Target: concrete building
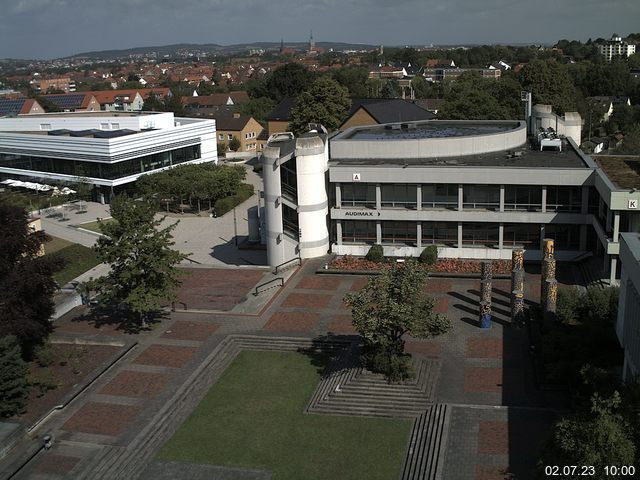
column 628, row 322
column 295, row 196
column 110, row 149
column 616, row 47
column 476, row 189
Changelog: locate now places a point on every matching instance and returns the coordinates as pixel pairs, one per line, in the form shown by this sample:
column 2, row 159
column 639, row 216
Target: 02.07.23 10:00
column 588, row 470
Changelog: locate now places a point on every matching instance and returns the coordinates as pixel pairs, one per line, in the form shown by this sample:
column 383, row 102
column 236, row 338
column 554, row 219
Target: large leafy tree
column 26, row 280
column 288, row 80
column 472, row 97
column 354, row 78
column 13, row 377
column 550, row 84
column 326, row 102
column 390, row 306
column 143, row 265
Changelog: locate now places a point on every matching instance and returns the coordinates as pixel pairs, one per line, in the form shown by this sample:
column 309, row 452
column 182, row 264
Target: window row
column 525, row 235
column 483, row 197
column 108, row 171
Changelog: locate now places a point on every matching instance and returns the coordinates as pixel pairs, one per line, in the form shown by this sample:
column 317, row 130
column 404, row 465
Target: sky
column 43, row 29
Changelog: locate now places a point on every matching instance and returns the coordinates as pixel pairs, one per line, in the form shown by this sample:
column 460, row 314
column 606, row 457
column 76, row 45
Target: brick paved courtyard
column 498, row 418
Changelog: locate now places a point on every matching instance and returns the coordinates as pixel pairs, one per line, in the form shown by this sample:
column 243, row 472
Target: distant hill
column 213, row 48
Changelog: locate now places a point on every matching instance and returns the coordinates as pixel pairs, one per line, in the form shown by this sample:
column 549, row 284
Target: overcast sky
column 57, row 28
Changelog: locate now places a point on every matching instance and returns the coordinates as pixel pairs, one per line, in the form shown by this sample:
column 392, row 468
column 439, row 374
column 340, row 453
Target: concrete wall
column 343, row 147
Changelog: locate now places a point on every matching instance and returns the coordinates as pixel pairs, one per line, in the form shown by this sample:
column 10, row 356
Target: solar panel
column 11, row 107
column 66, row 101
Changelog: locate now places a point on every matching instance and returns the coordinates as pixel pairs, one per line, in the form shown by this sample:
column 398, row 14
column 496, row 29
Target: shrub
column 375, row 253
column 44, row 355
column 429, row 255
column 601, row 304
column 396, row 367
column 568, row 305
column 234, row 144
column 227, row 204
column 13, row 377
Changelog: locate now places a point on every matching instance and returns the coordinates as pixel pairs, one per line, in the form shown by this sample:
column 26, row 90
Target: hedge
column 227, row 204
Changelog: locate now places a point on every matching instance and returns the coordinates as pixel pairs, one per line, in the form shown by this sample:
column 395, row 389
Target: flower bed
column 443, row 265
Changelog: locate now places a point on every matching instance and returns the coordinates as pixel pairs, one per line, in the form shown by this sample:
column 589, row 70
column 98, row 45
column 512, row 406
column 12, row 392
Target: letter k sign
column 633, row 204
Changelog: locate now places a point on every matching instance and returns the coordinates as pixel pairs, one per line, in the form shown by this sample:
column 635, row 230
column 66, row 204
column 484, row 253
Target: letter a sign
column 355, row 177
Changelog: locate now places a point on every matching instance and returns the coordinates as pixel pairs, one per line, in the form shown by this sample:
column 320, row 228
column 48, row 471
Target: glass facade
column 480, row 234
column 525, row 235
column 523, row 198
column 440, row 233
column 567, row 237
column 358, row 232
column 358, row 195
column 400, row 195
column 107, row 171
column 440, row 196
column 564, row 199
column 289, row 180
column 484, row 197
column 399, row 232
column 290, row 221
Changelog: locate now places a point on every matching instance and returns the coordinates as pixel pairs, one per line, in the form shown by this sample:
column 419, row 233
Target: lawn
column 253, row 417
column 78, row 258
column 95, row 226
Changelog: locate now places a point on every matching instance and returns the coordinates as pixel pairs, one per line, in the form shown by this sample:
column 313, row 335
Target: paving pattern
column 477, row 414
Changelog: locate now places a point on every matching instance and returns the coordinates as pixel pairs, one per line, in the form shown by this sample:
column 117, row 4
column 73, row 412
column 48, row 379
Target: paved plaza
column 495, row 417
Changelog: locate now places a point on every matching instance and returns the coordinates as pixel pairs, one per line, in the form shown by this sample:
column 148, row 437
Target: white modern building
column 616, row 47
column 628, row 323
column 110, row 149
column 476, row 189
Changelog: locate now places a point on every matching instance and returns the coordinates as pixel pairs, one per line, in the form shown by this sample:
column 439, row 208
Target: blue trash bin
column 485, row 321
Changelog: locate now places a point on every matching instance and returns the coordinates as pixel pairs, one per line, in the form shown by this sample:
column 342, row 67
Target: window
column 115, row 126
column 399, row 232
column 480, row 234
column 104, row 126
column 230, row 136
column 567, row 237
column 358, row 195
column 354, row 231
column 440, row 196
column 401, row 195
column 523, row 197
column 485, row 197
column 440, row 233
column 525, row 235
column 290, row 221
column 221, row 136
column 289, row 179
column 564, row 199
column 45, row 126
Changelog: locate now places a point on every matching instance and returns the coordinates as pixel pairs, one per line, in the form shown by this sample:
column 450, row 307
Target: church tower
column 312, row 43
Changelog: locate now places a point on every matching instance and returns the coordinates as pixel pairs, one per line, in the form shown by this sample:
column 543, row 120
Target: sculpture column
column 486, row 275
column 517, row 282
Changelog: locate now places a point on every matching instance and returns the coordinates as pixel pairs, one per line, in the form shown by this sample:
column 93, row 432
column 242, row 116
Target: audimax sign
column 361, row 213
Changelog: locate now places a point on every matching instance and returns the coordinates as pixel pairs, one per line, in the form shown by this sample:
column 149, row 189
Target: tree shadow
column 120, row 319
column 327, row 349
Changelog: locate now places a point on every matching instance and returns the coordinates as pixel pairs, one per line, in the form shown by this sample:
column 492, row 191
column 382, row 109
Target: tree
column 288, row 80
column 26, row 280
column 326, row 102
column 597, row 437
column 472, row 97
column 258, row 108
column 234, row 144
column 143, row 266
column 13, row 378
column 631, row 141
column 550, row 84
column 388, row 307
column 354, row 79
